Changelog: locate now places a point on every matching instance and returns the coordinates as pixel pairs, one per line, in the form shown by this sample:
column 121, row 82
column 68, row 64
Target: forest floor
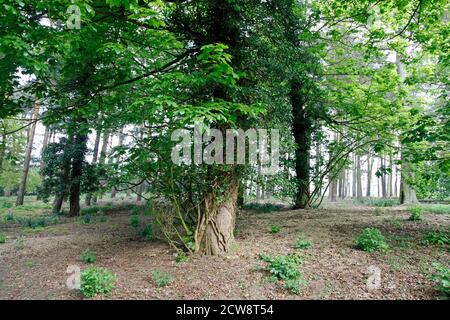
column 33, row 262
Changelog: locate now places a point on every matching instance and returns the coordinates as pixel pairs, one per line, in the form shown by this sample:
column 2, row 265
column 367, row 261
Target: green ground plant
column 302, row 242
column 371, row 240
column 88, row 256
column 160, row 278
column 95, row 281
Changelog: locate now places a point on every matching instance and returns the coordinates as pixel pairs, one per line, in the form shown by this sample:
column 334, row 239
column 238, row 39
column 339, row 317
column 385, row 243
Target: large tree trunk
column 65, row 180
column 76, row 173
column 215, row 229
column 26, row 163
column 301, row 128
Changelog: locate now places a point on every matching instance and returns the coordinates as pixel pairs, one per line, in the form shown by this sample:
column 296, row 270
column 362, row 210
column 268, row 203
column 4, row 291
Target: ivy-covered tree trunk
column 65, row 178
column 302, row 134
column 215, row 228
column 76, row 173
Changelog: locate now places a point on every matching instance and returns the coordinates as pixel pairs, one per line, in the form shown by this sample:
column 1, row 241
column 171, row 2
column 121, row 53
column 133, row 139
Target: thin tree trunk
column 383, row 177
column 407, row 192
column 369, row 173
column 26, row 164
column 359, row 193
column 390, row 185
column 94, row 161
column 44, row 145
column 102, row 158
column 354, row 177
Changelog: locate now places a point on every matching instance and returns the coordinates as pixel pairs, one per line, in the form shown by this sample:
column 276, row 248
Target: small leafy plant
column 135, row 210
column 371, row 240
column 415, row 213
column 285, row 268
column 134, row 221
column 88, row 256
column 181, row 257
column 19, row 243
column 274, row 228
column 302, row 242
column 147, row 233
column 379, row 211
column 2, row 238
column 442, row 277
column 87, row 218
column 96, row 281
column 9, row 217
column 161, row 278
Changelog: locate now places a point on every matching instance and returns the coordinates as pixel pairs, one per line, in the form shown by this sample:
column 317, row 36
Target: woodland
column 92, row 204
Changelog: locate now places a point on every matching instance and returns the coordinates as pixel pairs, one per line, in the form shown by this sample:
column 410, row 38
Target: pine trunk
column 26, row 163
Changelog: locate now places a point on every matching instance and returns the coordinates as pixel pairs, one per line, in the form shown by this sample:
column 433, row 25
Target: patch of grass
column 134, row 221
column 91, row 210
column 396, row 263
column 302, row 242
column 393, row 221
column 135, row 210
column 87, row 218
column 160, row 278
column 95, row 281
column 274, row 228
column 436, row 208
column 415, row 213
column 88, row 256
column 2, row 238
column 379, row 211
column 442, row 277
column 263, row 207
column 19, row 244
column 37, row 222
column 371, row 240
column 377, row 202
column 147, row 232
column 295, row 286
column 436, row 238
column 7, row 205
column 9, row 217
column 181, row 257
column 103, row 219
